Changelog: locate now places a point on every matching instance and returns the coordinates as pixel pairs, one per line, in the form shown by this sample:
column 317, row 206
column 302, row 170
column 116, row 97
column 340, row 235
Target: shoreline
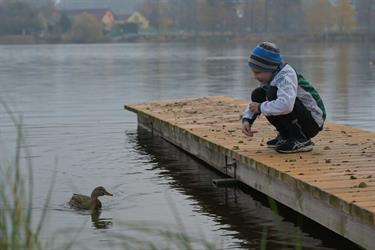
column 190, row 37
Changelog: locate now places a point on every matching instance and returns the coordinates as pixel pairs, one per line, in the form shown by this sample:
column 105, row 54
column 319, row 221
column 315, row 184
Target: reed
column 16, row 195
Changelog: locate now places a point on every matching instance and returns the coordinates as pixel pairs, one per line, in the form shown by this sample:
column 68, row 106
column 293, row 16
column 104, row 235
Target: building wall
column 136, row 17
column 108, row 19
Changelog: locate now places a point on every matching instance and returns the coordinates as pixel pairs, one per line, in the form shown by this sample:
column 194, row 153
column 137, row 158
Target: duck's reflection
column 100, row 223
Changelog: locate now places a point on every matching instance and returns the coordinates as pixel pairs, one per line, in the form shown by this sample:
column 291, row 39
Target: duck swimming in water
column 91, row 203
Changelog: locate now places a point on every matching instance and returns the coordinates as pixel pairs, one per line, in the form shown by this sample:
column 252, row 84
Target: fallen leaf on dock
column 362, row 185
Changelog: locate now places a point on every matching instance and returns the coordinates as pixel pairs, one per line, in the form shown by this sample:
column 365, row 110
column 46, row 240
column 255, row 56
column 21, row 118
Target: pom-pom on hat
column 265, row 57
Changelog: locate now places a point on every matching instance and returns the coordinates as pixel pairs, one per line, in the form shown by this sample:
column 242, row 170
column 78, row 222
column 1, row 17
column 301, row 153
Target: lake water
column 71, row 99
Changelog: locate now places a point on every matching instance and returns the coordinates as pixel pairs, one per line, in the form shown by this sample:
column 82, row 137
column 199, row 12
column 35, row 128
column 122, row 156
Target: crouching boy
column 289, row 102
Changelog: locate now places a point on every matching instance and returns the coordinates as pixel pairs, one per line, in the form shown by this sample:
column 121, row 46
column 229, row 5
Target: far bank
column 190, row 37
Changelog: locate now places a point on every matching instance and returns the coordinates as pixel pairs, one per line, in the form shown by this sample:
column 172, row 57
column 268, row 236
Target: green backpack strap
column 303, row 83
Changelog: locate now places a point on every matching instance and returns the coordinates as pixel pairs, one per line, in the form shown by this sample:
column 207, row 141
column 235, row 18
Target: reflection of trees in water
column 344, row 78
column 343, row 69
column 330, row 72
column 226, row 69
column 100, row 223
column 355, row 83
column 220, row 68
column 238, row 209
column 168, row 66
column 318, row 69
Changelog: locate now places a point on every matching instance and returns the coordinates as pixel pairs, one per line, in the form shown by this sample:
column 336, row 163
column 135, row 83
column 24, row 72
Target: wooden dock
column 333, row 185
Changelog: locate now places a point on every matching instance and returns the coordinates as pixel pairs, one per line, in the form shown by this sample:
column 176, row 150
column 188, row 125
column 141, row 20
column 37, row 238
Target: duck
column 81, row 201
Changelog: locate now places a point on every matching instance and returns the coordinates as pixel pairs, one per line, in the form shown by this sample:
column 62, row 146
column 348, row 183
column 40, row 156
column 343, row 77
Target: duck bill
column 109, row 194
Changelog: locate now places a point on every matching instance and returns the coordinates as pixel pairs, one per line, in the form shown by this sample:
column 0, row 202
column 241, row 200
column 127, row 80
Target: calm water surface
column 71, row 99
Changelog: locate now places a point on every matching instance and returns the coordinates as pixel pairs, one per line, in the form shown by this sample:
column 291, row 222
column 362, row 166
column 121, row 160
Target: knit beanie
column 265, row 57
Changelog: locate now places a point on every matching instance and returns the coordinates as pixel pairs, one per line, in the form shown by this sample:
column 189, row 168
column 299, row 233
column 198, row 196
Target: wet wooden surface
column 341, row 164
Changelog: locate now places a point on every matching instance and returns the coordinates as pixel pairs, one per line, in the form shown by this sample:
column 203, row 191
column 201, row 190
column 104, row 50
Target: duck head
column 99, row 191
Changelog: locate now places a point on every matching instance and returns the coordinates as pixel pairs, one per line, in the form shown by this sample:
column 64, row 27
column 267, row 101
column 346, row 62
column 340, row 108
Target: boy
column 287, row 100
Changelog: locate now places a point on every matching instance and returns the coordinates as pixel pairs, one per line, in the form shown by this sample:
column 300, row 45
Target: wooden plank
column 333, row 185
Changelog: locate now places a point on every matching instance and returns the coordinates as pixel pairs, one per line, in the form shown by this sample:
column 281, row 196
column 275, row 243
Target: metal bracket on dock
column 232, row 166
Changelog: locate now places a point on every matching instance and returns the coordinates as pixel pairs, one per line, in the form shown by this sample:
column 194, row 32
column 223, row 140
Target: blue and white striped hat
column 265, row 57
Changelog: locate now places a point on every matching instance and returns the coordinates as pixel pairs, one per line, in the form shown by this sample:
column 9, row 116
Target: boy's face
column 263, row 77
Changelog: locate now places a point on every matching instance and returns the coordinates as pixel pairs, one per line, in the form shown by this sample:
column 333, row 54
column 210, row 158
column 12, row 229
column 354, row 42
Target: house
column 121, row 18
column 106, row 16
column 139, row 19
column 130, row 24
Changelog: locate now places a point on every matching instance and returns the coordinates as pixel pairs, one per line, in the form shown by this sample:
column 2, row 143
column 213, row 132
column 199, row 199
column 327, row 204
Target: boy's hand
column 246, row 129
column 254, row 107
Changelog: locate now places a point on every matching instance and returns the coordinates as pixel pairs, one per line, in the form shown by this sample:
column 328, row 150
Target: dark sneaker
column 276, row 142
column 295, row 145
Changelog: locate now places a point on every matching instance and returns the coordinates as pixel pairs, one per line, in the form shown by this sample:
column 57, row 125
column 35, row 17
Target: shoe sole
column 304, row 149
column 273, row 146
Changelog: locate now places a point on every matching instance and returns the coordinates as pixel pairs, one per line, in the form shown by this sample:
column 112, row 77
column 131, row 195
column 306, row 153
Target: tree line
column 45, row 22
column 234, row 17
column 269, row 16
